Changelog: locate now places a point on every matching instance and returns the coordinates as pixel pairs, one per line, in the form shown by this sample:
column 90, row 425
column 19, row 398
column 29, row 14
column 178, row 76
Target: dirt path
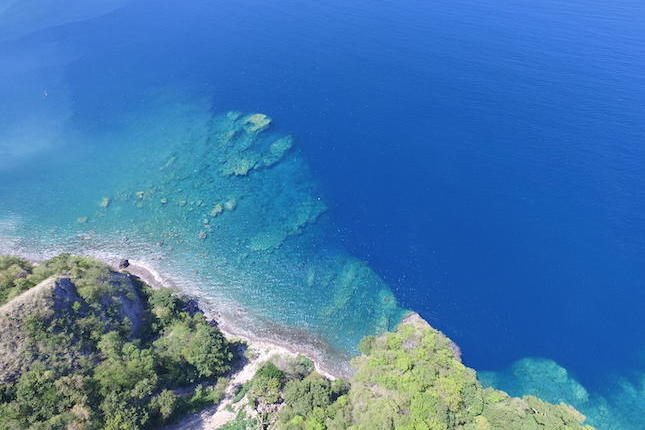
column 216, row 416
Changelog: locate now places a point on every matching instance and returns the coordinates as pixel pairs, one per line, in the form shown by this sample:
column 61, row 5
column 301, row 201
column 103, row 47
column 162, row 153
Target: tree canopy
column 88, row 368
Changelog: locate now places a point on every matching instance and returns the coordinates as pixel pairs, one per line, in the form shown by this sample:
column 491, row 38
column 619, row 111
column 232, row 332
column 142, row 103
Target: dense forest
column 410, row 379
column 85, row 347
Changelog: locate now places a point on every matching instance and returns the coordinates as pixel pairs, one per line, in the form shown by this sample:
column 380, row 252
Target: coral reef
column 241, row 148
column 612, row 409
column 229, row 200
column 256, row 122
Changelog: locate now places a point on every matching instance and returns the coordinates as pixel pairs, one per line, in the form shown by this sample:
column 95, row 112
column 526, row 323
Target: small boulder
column 217, row 209
column 230, row 204
column 22, row 274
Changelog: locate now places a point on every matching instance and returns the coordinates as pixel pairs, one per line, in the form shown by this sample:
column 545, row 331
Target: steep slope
column 90, row 348
column 50, row 295
column 409, row 379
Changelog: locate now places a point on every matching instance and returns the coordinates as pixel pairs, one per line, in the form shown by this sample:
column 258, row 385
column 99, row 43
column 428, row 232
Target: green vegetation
column 88, row 348
column 410, row 379
column 100, row 350
column 241, row 422
column 16, row 276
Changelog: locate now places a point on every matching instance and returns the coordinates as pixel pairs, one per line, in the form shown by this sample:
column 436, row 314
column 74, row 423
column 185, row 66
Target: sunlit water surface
column 482, row 164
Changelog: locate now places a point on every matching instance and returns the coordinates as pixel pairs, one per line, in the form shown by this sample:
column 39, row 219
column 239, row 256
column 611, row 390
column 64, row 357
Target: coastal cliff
column 91, row 348
column 87, row 347
column 408, row 379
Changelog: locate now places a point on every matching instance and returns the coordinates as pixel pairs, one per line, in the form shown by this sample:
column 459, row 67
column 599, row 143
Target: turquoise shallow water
column 223, row 203
column 480, row 163
column 617, row 405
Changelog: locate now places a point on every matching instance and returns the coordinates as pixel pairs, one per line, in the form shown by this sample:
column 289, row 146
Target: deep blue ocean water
column 485, row 159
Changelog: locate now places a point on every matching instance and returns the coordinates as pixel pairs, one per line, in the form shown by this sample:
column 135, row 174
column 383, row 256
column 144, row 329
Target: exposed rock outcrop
column 56, row 297
column 48, row 297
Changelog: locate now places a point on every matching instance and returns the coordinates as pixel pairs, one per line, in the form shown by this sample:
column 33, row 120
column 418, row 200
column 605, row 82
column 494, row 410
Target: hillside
column 410, row 379
column 84, row 347
column 89, row 348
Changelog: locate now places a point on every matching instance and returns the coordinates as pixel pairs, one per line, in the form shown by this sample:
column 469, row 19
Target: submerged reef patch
column 256, row 122
column 227, row 206
column 227, row 203
column 240, row 146
column 615, row 408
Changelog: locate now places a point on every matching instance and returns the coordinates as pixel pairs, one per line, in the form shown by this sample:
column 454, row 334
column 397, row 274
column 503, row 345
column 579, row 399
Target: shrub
column 89, row 371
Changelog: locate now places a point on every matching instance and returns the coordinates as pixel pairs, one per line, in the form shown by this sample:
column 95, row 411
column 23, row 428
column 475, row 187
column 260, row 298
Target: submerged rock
column 277, row 150
column 240, row 148
column 230, row 204
column 268, row 240
column 169, row 163
column 238, row 166
column 105, row 202
column 540, row 377
column 233, row 115
column 257, row 122
column 217, row 210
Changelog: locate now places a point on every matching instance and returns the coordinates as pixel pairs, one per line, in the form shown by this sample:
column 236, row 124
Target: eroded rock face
column 22, row 274
column 44, row 298
column 128, row 300
column 64, row 294
column 57, row 297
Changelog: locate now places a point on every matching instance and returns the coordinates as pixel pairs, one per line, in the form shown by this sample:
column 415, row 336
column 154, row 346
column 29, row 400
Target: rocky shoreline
column 258, row 352
column 253, row 353
column 234, row 321
column 147, row 274
column 257, row 381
